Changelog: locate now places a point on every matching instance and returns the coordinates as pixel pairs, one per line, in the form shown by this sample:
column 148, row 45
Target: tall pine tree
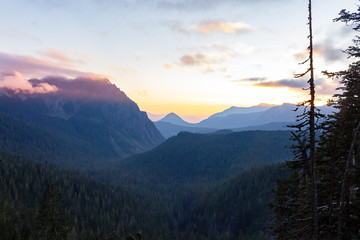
column 337, row 173
column 340, row 148
column 297, row 197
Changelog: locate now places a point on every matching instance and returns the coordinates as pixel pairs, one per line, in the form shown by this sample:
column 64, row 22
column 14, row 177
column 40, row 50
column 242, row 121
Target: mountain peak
column 86, row 88
column 242, row 110
column 174, row 119
column 81, row 88
column 171, row 117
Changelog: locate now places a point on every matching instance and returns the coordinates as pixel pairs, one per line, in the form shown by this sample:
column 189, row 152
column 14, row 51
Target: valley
column 103, row 153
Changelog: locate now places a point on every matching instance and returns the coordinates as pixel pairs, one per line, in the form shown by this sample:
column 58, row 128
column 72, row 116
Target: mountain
column 175, row 119
column 242, row 110
column 155, row 117
column 262, row 117
column 283, row 113
column 198, row 159
column 92, row 114
column 20, row 138
column 273, row 126
column 168, row 129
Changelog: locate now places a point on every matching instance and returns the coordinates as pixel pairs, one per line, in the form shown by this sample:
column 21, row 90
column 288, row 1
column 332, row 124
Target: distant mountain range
column 90, row 116
column 243, row 110
column 261, row 117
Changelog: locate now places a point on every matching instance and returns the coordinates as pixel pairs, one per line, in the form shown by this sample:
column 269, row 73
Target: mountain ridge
column 173, row 118
column 94, row 112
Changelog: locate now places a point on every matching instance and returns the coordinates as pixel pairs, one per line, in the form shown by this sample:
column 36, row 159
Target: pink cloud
column 57, row 56
column 53, row 55
column 207, row 27
column 18, row 83
column 34, row 67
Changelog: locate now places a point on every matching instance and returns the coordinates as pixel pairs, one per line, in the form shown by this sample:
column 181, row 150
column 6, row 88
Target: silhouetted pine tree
column 339, row 149
column 296, row 200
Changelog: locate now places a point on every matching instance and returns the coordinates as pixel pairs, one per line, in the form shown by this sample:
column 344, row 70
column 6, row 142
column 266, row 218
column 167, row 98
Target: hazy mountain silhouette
column 242, row 110
column 168, row 129
column 284, row 113
column 262, row 117
column 175, row 119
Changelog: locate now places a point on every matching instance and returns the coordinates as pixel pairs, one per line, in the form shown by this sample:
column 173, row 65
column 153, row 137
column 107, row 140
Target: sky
column 191, row 57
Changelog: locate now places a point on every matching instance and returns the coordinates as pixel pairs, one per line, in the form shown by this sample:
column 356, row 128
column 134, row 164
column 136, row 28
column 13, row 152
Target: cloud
column 328, row 52
column 219, row 47
column 176, row 26
column 293, row 83
column 323, row 86
column 212, row 26
column 168, row 66
column 252, row 79
column 52, row 54
column 201, row 59
column 35, row 67
column 301, row 56
column 191, row 60
column 18, row 83
column 325, row 50
column 206, row 62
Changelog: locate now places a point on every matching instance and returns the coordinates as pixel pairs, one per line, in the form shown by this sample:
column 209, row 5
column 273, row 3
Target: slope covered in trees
column 36, row 198
column 94, row 210
column 24, row 139
column 236, row 208
column 198, row 159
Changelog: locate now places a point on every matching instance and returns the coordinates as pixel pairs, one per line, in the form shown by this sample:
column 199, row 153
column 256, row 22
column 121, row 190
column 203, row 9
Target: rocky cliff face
column 90, row 110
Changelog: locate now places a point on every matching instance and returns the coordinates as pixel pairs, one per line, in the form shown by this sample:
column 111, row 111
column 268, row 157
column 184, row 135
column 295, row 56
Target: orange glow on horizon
column 190, row 112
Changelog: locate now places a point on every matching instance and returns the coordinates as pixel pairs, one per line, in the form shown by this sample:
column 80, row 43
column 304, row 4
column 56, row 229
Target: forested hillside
column 24, row 139
column 198, row 159
column 236, row 208
column 95, row 210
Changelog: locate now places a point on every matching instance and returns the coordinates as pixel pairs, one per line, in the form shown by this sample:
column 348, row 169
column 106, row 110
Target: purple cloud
column 31, row 66
column 295, row 83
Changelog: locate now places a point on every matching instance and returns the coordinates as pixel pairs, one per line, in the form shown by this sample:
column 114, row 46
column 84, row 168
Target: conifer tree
column 334, row 177
column 302, row 218
column 339, row 149
column 52, row 222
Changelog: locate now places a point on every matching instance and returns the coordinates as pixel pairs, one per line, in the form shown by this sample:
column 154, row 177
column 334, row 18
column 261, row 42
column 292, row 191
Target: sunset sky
column 191, row 57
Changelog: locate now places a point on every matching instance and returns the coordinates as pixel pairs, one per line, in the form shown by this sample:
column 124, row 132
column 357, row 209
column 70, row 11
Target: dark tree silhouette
column 52, row 222
column 302, row 218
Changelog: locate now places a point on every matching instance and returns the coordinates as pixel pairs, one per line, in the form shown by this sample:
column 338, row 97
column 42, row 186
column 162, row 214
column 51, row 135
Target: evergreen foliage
column 236, row 208
column 34, row 196
column 51, row 221
column 337, row 172
column 191, row 159
column 94, row 210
